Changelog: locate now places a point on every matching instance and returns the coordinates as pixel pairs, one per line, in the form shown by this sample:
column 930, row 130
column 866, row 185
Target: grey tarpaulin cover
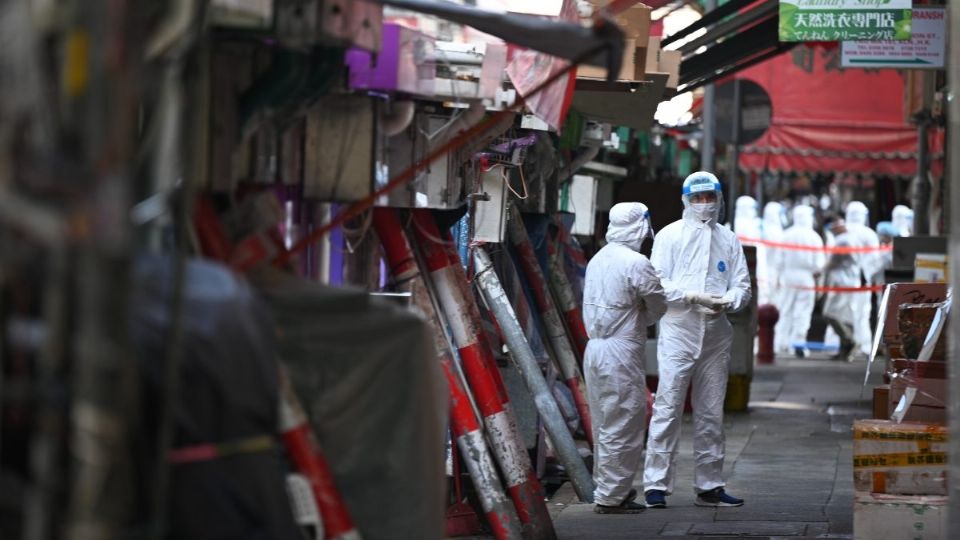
column 227, row 392
column 370, row 381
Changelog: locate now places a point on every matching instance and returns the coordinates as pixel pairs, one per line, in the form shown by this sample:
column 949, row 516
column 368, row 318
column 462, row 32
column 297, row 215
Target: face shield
column 629, row 225
column 702, row 197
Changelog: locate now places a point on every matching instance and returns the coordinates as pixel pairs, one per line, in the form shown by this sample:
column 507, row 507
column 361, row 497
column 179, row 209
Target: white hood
column 629, row 225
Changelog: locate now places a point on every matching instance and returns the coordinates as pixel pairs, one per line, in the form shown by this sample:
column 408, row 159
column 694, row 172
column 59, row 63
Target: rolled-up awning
column 827, row 119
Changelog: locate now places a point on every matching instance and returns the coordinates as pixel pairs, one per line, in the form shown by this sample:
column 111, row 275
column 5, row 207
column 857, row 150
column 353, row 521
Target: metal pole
column 464, row 418
column 709, row 114
column 447, row 278
column 552, row 324
column 734, row 154
column 526, row 363
column 952, row 182
column 921, row 182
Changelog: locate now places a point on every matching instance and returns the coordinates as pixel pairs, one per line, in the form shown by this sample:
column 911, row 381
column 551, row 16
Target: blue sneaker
column 717, row 497
column 656, row 498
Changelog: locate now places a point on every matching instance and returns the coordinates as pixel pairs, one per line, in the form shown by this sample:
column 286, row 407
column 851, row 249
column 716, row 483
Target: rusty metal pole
column 567, row 300
column 554, row 329
column 305, row 453
column 466, row 429
column 526, row 363
column 450, row 284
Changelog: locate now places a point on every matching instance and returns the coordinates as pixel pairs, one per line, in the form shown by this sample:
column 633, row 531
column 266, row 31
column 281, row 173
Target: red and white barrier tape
column 844, row 250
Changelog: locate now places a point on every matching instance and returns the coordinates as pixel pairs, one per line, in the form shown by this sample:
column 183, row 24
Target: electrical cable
column 453, row 144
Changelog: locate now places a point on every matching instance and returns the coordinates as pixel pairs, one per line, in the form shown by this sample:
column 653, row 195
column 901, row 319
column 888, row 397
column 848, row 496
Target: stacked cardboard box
column 635, row 23
column 900, row 477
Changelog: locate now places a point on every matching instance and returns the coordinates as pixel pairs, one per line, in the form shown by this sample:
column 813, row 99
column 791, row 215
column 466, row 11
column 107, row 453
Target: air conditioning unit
column 304, row 23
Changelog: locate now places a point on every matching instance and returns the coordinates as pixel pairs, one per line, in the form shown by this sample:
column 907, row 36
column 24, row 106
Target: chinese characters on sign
column 926, row 49
column 839, row 20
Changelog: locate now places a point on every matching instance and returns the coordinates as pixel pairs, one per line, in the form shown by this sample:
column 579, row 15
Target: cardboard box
column 635, row 22
column 630, row 70
column 881, row 402
column 930, row 381
column 898, row 516
column 662, row 61
column 930, row 268
column 902, row 459
column 914, row 322
column 907, row 293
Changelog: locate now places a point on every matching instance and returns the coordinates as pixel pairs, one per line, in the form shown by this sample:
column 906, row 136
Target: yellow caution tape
column 876, row 435
column 914, row 459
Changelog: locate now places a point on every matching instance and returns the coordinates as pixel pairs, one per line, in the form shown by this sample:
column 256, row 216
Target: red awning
column 830, row 120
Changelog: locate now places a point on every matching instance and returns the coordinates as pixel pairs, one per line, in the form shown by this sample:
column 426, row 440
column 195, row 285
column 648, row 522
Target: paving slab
column 789, row 456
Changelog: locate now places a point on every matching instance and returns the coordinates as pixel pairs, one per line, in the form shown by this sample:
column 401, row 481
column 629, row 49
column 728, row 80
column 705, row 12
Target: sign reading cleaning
column 845, row 20
column 926, row 49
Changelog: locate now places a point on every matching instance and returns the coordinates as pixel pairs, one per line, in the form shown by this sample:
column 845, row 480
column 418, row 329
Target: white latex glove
column 712, row 303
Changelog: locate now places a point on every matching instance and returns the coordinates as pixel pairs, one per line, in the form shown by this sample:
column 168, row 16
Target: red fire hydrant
column 767, row 317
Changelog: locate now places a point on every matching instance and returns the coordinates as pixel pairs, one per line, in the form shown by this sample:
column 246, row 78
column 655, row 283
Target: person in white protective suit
column 622, row 296
column 862, row 236
column 839, row 308
column 745, row 221
column 704, row 275
column 902, row 218
column 768, row 271
column 799, row 268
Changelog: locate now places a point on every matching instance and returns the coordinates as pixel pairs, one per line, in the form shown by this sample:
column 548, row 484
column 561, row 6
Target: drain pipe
column 397, row 119
column 953, row 181
column 582, row 159
column 522, row 356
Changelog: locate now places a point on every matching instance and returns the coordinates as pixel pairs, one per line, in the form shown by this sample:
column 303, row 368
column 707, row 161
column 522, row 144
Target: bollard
column 767, row 317
column 567, row 301
column 443, row 279
column 448, row 281
column 305, row 454
column 522, row 356
column 554, row 329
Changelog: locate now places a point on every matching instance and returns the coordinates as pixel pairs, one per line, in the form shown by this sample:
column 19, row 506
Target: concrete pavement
column 789, row 457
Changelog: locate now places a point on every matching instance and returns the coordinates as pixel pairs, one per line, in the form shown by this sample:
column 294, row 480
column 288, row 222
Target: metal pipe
column 709, row 114
column 450, row 284
column 921, row 182
column 464, row 417
column 526, row 363
column 953, row 181
column 553, row 325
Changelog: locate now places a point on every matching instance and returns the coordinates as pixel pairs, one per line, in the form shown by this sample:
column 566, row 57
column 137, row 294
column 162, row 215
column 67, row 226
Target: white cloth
column 902, row 218
column 693, row 347
column 622, row 296
column 768, row 266
column 841, row 271
column 861, row 235
column 797, row 268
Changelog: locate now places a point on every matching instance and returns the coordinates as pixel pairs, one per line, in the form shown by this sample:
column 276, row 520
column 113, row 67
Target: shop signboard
column 845, row 20
column 925, row 50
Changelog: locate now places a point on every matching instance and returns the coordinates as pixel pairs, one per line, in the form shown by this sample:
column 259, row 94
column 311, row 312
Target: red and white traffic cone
column 554, row 329
column 567, row 300
column 500, row 514
column 304, row 451
column 449, row 282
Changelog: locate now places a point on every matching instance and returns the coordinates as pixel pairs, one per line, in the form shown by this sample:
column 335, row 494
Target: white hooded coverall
column 902, row 218
column 694, row 347
column 841, row 271
column 797, row 267
column 745, row 222
column 861, row 235
column 768, row 271
column 622, row 296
